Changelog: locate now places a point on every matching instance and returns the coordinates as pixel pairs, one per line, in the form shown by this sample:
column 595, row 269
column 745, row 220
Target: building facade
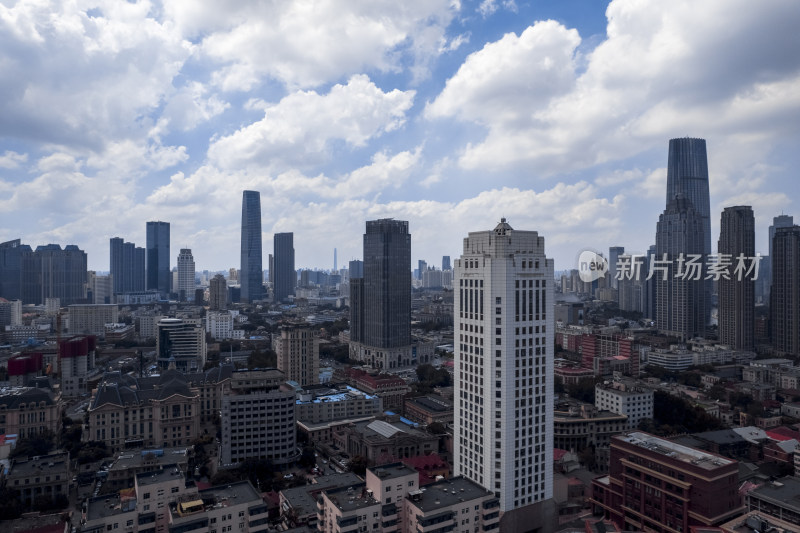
column 737, row 302
column 258, row 418
column 625, row 397
column 91, row 319
column 504, row 365
column 657, row 485
column 180, row 343
column 127, row 266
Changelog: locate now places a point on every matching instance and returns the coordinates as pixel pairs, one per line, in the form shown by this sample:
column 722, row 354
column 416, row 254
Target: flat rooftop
column 168, row 472
column 393, row 470
column 303, row 499
column 233, row 494
column 156, row 458
column 109, row 505
column 352, row 497
column 674, row 450
column 448, row 492
column 784, row 492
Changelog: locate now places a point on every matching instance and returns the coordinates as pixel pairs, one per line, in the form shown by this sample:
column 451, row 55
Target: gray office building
column 285, row 278
column 765, row 272
column 680, row 301
column 446, row 263
column 785, row 292
column 159, row 276
column 614, row 254
column 251, row 276
column 737, row 294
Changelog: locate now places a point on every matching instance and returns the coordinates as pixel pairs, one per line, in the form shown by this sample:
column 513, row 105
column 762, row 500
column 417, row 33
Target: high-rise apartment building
column 127, row 266
column 50, row 272
column 297, row 348
column 217, row 293
column 258, row 418
column 687, row 174
column 737, row 238
column 285, row 278
column 159, row 276
column 252, row 287
column 356, row 269
column 185, row 275
column 680, row 290
column 381, row 301
column 504, row 323
column 785, row 292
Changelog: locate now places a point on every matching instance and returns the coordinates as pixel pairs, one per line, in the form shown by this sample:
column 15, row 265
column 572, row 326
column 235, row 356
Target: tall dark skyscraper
column 387, row 284
column 159, row 276
column 11, row 254
column 737, row 296
column 446, row 262
column 785, row 293
column 680, row 301
column 127, row 266
column 250, row 276
column 285, row 277
column 687, row 174
column 765, row 274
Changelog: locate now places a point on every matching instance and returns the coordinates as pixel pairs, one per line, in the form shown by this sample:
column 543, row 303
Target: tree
column 436, row 428
column 358, row 465
column 307, row 458
column 40, row 444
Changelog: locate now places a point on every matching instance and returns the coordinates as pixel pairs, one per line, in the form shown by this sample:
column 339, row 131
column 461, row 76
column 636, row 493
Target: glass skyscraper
column 687, row 174
column 159, row 276
column 285, row 276
column 387, row 284
column 251, row 277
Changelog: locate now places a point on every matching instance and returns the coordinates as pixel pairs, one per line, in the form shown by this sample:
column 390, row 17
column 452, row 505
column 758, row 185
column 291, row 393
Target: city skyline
column 138, row 112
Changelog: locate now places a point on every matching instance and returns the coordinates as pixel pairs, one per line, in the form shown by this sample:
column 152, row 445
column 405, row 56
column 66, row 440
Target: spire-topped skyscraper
column 252, row 286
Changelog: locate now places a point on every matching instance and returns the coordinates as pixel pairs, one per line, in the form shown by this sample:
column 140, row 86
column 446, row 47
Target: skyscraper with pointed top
column 252, row 287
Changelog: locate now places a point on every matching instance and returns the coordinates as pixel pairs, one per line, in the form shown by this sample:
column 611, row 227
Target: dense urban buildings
column 285, row 278
column 504, row 365
column 159, row 276
column 91, row 319
column 737, row 239
column 251, row 276
column 785, row 292
column 297, row 348
column 680, row 291
column 381, row 303
column 185, row 288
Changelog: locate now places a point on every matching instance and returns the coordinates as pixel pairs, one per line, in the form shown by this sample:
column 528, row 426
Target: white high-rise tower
column 503, row 286
column 185, row 275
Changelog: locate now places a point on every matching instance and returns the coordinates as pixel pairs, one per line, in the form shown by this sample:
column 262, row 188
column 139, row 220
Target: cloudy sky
column 554, row 114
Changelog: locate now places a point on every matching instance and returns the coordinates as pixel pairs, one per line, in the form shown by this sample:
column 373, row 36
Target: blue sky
column 450, row 115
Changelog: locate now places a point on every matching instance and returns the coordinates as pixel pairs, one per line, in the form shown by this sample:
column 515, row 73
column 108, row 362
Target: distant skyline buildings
column 285, row 277
column 251, row 271
column 159, row 274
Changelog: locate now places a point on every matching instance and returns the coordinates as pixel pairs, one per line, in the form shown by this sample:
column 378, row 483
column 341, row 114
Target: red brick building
column 658, row 485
